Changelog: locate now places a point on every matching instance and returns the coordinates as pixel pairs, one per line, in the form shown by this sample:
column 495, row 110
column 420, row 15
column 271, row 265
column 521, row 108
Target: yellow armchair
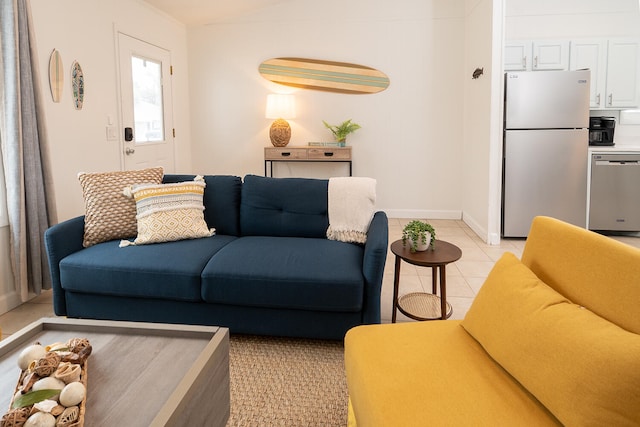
column 550, row 339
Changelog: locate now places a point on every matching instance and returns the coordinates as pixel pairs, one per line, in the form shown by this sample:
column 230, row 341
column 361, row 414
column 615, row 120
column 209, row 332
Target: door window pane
column 147, row 100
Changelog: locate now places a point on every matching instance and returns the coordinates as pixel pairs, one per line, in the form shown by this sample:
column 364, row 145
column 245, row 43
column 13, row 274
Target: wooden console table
column 306, row 154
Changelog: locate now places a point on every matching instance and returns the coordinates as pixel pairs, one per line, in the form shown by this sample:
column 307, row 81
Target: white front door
column 145, row 93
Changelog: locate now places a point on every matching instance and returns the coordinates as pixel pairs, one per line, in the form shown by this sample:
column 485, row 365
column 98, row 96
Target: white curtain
column 30, row 199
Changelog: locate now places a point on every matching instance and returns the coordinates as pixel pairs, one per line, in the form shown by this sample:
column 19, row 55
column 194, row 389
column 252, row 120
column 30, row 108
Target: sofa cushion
column 147, row 271
column 169, row 212
column 286, row 272
column 588, row 268
column 583, row 368
column 285, row 207
column 221, row 201
column 417, row 374
column 109, row 214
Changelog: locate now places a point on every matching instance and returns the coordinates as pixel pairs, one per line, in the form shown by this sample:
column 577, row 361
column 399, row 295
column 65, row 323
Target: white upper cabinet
column 517, row 56
column 623, row 66
column 614, row 65
column 550, row 55
column 536, row 55
column 591, row 54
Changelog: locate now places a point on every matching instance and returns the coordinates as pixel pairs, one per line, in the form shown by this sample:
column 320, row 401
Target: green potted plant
column 341, row 131
column 419, row 234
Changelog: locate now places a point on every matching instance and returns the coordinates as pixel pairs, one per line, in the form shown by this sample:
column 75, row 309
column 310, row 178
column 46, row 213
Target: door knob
column 129, row 151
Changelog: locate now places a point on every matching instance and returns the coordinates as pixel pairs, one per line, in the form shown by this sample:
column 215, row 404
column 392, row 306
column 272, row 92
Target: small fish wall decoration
column 477, row 73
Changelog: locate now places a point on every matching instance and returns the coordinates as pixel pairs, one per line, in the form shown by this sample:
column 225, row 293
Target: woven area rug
column 287, row 382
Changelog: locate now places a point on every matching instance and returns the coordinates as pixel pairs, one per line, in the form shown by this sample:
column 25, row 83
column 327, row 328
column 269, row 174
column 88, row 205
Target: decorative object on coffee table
column 52, row 389
column 280, row 107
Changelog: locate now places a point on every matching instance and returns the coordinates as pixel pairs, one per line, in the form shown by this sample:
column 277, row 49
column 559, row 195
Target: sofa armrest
column 60, row 241
column 375, row 256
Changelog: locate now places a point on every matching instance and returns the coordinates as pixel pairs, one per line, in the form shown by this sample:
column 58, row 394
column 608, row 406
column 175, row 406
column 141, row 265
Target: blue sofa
column 269, row 270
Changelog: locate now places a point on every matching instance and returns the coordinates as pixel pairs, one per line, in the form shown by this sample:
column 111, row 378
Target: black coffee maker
column 601, row 130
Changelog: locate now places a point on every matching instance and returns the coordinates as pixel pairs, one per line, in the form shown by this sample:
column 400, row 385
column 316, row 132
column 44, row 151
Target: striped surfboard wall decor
column 328, row 76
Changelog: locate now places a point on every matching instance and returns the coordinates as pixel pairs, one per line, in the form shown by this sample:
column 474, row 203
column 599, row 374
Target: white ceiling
column 199, row 12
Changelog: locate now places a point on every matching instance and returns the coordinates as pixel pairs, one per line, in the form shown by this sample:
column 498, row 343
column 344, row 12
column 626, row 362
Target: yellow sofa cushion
column 589, row 269
column 431, row 373
column 583, row 368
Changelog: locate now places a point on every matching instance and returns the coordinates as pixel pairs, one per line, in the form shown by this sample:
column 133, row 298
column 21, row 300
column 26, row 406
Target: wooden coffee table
column 422, row 305
column 139, row 374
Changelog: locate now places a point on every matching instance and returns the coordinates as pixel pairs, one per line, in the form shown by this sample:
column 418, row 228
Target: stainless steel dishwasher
column 615, row 192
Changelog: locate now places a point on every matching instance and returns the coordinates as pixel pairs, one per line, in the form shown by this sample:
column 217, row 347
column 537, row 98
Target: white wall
column 571, row 18
column 85, row 32
column 411, row 136
column 482, row 148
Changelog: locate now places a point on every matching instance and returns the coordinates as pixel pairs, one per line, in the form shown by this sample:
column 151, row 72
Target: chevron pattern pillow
column 169, row 212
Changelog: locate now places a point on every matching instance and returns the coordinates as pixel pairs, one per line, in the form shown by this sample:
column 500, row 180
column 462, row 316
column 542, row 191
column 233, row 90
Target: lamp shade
column 280, row 106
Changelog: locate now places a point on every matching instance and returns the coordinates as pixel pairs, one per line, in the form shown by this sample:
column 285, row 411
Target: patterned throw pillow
column 109, row 215
column 169, row 212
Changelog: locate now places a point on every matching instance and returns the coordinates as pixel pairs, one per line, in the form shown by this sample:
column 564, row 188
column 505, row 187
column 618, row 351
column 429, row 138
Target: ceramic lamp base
column 280, row 133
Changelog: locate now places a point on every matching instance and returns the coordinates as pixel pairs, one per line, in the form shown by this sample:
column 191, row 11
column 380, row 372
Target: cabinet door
column 622, row 73
column 592, row 55
column 550, row 55
column 517, row 56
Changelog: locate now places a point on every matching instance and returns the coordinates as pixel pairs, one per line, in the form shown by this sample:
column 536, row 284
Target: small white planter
column 421, row 246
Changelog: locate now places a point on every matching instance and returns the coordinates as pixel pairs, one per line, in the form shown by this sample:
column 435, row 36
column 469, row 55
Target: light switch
column 112, row 133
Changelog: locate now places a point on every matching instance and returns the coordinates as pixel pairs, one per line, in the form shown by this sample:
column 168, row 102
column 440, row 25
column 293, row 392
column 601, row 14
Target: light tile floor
column 464, row 277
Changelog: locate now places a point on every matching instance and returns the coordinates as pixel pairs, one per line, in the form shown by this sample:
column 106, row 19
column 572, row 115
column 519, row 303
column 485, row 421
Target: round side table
column 422, row 305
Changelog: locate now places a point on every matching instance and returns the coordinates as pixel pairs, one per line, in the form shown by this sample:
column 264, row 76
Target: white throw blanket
column 351, row 208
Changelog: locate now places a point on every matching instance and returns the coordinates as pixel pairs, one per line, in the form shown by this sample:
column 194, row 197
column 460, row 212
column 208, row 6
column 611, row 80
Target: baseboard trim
column 9, row 301
column 422, row 214
column 482, row 232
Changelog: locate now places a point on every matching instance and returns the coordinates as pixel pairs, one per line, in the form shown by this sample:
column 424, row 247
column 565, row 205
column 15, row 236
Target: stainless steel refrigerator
column 545, row 152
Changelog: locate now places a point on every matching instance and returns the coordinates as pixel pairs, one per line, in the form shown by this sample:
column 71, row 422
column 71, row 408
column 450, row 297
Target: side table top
column 442, row 254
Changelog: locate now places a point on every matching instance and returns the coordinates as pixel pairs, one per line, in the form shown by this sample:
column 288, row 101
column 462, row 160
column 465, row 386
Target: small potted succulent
column 419, row 234
column 341, row 131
